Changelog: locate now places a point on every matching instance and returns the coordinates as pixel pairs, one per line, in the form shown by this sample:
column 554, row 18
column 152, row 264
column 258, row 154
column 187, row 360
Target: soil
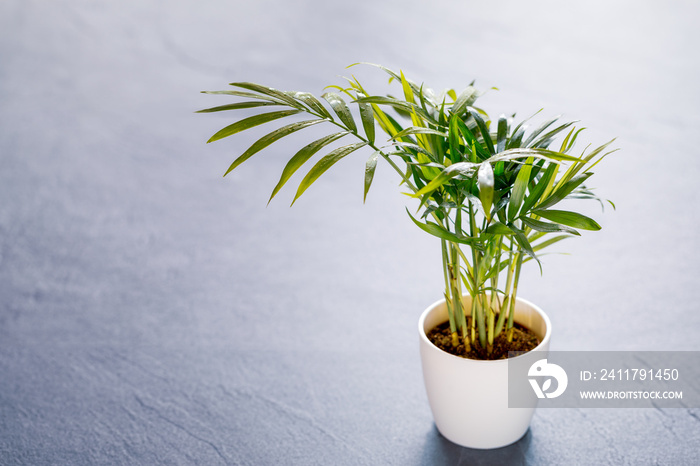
column 524, row 340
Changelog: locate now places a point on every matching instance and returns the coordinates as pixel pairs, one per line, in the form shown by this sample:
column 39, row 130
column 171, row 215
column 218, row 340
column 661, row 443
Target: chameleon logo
column 548, row 371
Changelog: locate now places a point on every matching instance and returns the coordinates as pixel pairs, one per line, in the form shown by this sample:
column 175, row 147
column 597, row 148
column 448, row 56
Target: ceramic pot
column 469, row 398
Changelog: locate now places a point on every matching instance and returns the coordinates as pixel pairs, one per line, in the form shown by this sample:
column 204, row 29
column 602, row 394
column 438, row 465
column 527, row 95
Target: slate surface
column 152, row 312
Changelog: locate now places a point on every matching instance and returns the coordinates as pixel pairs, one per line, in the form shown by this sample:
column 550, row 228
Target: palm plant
column 485, row 188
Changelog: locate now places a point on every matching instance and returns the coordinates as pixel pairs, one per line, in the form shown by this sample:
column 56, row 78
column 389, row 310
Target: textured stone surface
column 152, row 312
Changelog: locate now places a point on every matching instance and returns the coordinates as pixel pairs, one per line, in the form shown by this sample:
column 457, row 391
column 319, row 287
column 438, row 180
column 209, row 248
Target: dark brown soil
column 524, row 340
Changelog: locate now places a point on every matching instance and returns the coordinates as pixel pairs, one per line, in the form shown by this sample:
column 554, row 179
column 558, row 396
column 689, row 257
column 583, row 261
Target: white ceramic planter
column 469, row 398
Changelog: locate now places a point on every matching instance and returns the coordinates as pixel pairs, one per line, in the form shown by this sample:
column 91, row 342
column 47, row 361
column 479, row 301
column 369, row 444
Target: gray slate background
column 153, row 312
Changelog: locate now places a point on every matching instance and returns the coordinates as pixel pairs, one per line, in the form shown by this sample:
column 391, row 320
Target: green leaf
column 565, row 142
column 386, row 121
column 398, row 105
column 400, row 109
column 337, row 88
column 313, row 103
column 465, row 99
column 524, row 244
column 453, row 140
column 470, row 139
column 407, row 91
column 483, row 129
column 486, row 182
column 250, row 95
column 551, row 133
column 461, row 168
column 519, row 131
column 575, row 168
column 516, row 140
column 572, row 219
column 268, row 139
column 370, row 167
column 563, row 191
column 535, row 235
column 302, row 156
column 341, row 109
column 572, row 141
column 250, row 122
column 502, row 134
column 237, row 106
column 538, row 131
column 422, row 164
column 367, row 117
column 268, row 91
column 425, row 101
column 549, row 242
column 518, row 192
column 520, row 153
column 324, row 164
column 497, row 228
column 416, row 148
column 547, row 227
column 441, row 232
column 538, row 190
column 391, row 73
column 418, row 130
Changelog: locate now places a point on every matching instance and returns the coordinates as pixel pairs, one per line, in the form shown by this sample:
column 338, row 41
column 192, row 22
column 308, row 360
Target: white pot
column 469, row 398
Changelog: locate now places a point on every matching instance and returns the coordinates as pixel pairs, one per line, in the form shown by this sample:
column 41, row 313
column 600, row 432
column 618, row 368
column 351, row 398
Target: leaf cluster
column 451, row 153
column 492, row 185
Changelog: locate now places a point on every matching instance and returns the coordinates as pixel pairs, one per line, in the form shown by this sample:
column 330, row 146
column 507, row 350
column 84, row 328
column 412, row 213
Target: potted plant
column 489, row 190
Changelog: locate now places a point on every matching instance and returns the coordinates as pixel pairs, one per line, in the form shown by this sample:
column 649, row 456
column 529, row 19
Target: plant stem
column 458, row 282
column 511, row 311
column 509, row 283
column 494, row 294
column 477, row 309
column 448, row 300
column 457, row 294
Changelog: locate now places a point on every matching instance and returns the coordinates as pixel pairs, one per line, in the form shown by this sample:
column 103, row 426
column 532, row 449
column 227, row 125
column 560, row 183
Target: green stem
column 448, row 299
column 477, row 310
column 509, row 283
column 457, row 294
column 511, row 310
column 495, row 302
column 494, row 278
column 490, row 324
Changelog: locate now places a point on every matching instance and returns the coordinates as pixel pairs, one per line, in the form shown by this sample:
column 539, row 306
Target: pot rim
column 431, row 308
